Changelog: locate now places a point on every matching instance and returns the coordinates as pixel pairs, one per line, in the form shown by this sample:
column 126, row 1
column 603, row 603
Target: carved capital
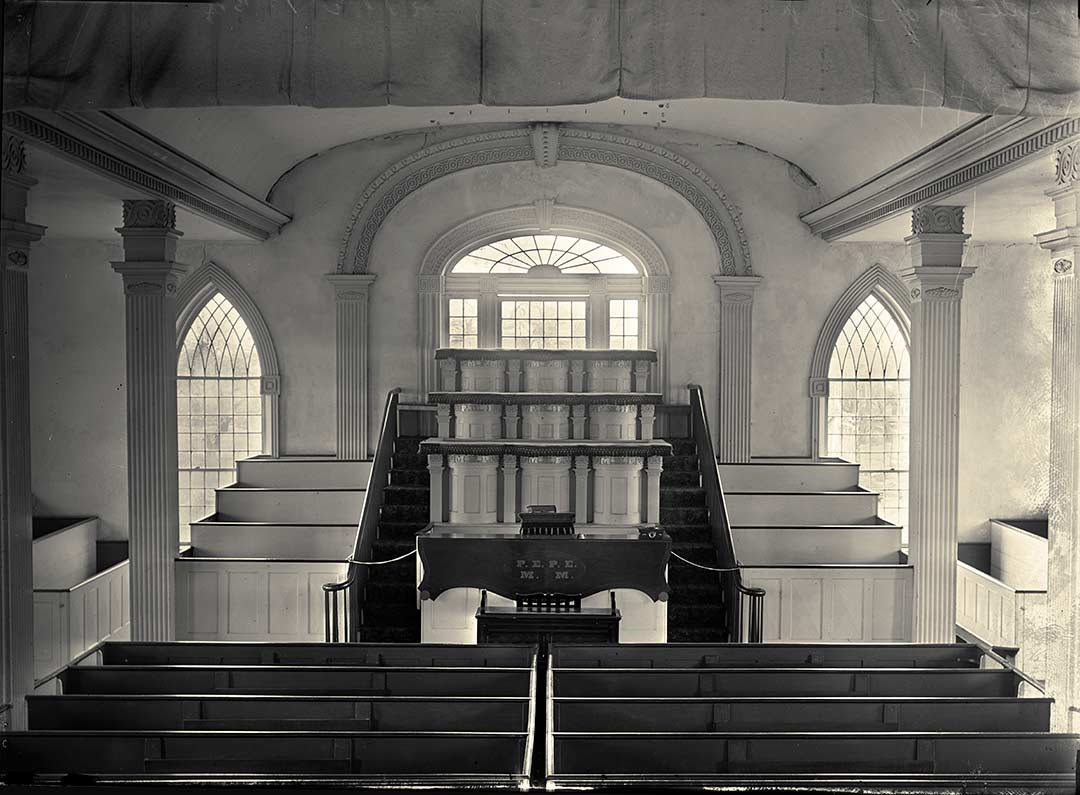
column 1063, row 266
column 937, row 219
column 149, row 214
column 18, row 260
column 1068, row 164
column 150, row 279
column 351, row 286
column 736, row 289
column 14, row 154
column 429, row 284
column 657, row 285
column 545, row 143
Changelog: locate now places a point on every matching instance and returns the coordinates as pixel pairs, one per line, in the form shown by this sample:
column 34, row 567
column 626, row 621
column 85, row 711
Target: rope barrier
column 700, row 566
column 408, row 554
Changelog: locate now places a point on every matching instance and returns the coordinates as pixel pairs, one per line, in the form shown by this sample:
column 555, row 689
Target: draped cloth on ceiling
column 989, row 56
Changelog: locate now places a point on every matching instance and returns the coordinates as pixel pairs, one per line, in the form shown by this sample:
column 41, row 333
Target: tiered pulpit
column 571, row 429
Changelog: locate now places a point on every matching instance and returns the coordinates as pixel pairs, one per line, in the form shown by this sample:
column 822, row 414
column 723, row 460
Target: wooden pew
column 784, row 655
column 278, row 713
column 297, row 680
column 904, row 714
column 492, row 757
column 240, row 653
column 701, row 758
column 667, row 683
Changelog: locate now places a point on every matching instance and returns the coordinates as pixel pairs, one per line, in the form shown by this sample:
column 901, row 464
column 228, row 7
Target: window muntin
column 566, row 253
column 218, row 405
column 869, row 404
column 624, row 325
column 543, row 323
column 464, row 323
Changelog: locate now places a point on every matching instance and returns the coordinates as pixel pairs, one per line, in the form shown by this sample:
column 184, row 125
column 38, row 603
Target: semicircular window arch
column 563, row 253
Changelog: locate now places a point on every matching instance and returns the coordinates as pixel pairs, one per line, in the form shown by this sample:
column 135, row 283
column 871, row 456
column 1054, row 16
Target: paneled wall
column 1003, row 616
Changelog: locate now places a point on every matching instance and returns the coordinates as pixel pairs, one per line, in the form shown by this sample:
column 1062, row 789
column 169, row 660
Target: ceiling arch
column 545, row 144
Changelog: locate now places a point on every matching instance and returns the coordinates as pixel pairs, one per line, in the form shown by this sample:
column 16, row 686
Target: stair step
column 789, row 474
column 677, row 478
column 772, row 546
column 410, row 477
column 316, row 472
column 217, row 539
column 404, row 513
column 406, row 495
column 681, row 463
column 683, row 446
column 698, row 514
column 407, row 460
column 286, row 506
column 808, row 508
column 682, row 496
column 408, row 444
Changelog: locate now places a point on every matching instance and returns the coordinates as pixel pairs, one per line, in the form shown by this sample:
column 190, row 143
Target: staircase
column 695, row 612
column 389, row 613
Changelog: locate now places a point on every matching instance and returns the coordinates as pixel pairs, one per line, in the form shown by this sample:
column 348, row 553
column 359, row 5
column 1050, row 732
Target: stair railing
column 348, row 594
column 733, row 591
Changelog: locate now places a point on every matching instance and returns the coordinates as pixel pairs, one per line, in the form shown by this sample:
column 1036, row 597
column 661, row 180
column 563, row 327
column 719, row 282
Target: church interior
column 623, row 395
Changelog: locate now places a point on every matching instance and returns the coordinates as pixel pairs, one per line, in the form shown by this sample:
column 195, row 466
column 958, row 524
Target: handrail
column 366, row 531
column 731, row 586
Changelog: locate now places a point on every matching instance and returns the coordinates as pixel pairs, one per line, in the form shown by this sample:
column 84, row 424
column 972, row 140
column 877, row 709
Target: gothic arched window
column 218, row 405
column 867, row 417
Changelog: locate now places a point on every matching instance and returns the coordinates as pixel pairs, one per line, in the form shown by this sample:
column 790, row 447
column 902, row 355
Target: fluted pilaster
column 351, row 292
column 1063, row 552
column 936, row 285
column 150, row 275
column 16, row 534
column 736, row 343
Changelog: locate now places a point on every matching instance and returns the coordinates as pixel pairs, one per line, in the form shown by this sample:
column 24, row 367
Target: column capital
column 1067, row 157
column 736, row 289
column 1063, row 267
column 150, row 278
column 937, row 236
column 149, row 231
column 936, row 283
column 351, row 286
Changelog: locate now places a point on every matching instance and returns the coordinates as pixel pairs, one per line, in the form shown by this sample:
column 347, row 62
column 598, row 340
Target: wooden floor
column 926, row 718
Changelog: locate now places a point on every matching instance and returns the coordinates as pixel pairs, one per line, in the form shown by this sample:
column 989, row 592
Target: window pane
column 568, row 254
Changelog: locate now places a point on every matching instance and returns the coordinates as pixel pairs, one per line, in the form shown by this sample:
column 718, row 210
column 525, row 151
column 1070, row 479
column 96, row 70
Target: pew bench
column 101, row 712
column 296, row 680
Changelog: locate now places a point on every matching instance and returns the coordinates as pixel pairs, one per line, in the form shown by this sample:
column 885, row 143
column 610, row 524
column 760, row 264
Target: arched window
column 523, row 253
column 867, row 412
column 219, row 407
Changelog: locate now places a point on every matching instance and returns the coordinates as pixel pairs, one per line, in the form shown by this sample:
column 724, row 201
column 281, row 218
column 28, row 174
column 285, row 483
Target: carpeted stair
column 695, row 613
column 389, row 612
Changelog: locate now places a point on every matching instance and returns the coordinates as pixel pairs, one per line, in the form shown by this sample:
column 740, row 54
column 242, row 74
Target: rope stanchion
column 408, row 554
column 702, row 566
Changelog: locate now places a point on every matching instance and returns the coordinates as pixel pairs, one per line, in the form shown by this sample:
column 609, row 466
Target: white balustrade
column 610, row 375
column 545, row 422
column 613, row 423
column 482, row 375
column 474, row 489
column 478, row 421
column 546, row 375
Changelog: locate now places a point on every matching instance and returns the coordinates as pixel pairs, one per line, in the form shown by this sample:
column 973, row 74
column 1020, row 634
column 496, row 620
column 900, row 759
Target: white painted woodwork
column 351, row 342
column 150, row 275
column 69, row 621
column 437, row 503
column 1003, row 616
column 809, row 508
column 735, row 346
column 764, row 546
column 545, row 422
column 549, row 375
column 267, row 540
column 511, row 416
column 789, row 474
column 302, row 472
column 935, row 281
column 474, row 488
column 509, row 489
column 648, row 422
column 652, row 496
column 581, row 490
column 252, row 600
column 835, row 603
column 66, row 556
column 482, row 375
column 545, row 480
column 616, row 490
column 610, row 375
column 477, row 421
column 1017, row 558
column 305, row 506
column 613, row 423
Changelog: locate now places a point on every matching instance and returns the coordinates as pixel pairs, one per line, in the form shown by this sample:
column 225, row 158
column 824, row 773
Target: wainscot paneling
column 1003, row 616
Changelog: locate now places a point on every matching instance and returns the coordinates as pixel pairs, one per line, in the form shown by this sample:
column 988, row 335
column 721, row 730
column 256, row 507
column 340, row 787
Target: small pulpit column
column 448, row 373
column 510, row 470
column 581, row 489
column 1063, row 547
column 656, row 468
column 443, row 417
column 437, row 500
column 577, row 375
column 580, row 421
column 641, row 375
column 648, row 420
column 16, row 522
column 935, row 281
column 151, row 273
column 351, row 291
column 513, row 375
column 510, row 418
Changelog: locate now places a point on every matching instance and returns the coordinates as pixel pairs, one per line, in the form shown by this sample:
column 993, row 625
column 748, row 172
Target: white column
column 936, row 283
column 581, row 489
column 648, row 421
column 598, row 312
column 16, row 527
column 652, row 509
column 1063, row 553
column 351, row 291
column 736, row 346
column 435, row 473
column 489, row 320
column 510, row 468
column 150, row 273
column 430, row 333
column 658, row 330
column 443, row 415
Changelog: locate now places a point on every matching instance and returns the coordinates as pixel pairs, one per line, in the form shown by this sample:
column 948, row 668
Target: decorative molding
column 514, row 145
column 544, row 213
column 819, row 387
column 1063, row 266
column 1068, row 164
column 546, row 354
column 988, row 146
column 14, row 154
column 145, row 288
column 122, row 152
column 18, row 259
column 940, row 293
column 149, row 214
column 937, row 219
column 535, row 449
column 545, row 143
column 270, row 385
column 429, row 284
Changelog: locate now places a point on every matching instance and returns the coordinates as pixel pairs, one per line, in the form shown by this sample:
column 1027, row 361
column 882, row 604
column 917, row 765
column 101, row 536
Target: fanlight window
column 566, row 253
column 218, row 405
column 868, row 406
